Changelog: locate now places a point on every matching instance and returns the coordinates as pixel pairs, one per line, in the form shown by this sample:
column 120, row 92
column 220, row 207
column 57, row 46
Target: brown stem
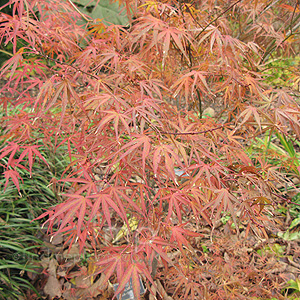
column 219, row 16
column 73, row 67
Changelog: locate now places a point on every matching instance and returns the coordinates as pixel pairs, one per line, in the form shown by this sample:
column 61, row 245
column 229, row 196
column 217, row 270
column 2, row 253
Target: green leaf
column 295, row 285
column 289, row 236
column 288, row 146
column 109, row 11
column 294, row 223
column 86, row 2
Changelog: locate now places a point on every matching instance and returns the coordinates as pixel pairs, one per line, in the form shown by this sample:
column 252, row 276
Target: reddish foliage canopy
column 108, row 93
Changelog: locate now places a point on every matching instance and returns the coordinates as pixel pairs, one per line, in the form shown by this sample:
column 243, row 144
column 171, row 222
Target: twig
column 5, row 52
column 285, row 199
column 200, row 103
column 191, row 14
column 290, row 33
column 73, row 67
column 75, row 7
column 294, row 264
column 220, row 15
column 291, row 28
column 66, row 64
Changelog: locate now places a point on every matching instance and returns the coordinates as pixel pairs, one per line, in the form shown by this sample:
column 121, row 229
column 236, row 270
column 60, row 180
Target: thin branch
column 219, row 16
column 77, row 10
column 290, row 33
column 73, row 67
column 268, row 6
column 66, row 64
column 293, row 15
column 5, row 52
column 191, row 14
column 271, row 3
column 200, row 103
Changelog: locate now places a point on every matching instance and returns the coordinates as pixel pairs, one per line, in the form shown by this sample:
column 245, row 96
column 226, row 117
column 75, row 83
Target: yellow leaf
column 133, row 224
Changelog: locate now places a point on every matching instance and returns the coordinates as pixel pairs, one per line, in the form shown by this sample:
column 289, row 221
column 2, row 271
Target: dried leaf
column 53, row 287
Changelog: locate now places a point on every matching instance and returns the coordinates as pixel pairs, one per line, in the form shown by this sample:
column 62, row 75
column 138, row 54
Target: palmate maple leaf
column 132, row 148
column 162, row 34
column 197, row 198
column 114, row 117
column 288, row 116
column 31, row 151
column 152, row 87
column 189, row 82
column 109, row 59
column 12, row 150
column 14, row 175
column 12, row 63
column 75, row 206
column 153, row 245
column 141, row 192
column 224, row 201
column 62, row 93
column 127, row 267
column 171, row 158
column 178, row 234
column 106, row 201
column 210, row 172
column 176, row 201
column 215, row 36
column 119, row 193
column 96, row 103
column 189, row 286
column 133, row 272
column 247, row 113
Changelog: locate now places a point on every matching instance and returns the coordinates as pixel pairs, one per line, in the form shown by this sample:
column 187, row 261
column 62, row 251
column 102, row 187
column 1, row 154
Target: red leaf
column 125, row 279
column 134, row 145
column 136, row 283
column 11, row 147
column 247, row 113
column 224, row 201
column 178, row 234
column 171, row 160
column 32, row 152
column 66, row 211
column 115, row 117
column 12, row 63
column 175, row 201
column 14, row 175
column 106, row 201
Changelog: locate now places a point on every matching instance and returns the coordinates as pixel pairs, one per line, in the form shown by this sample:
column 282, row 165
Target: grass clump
column 20, row 237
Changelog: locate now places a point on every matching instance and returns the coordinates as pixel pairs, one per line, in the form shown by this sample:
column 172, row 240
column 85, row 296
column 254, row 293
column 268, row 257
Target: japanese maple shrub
column 128, row 104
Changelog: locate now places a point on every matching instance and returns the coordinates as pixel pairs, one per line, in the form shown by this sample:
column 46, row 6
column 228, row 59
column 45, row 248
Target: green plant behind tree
column 105, row 10
column 283, row 72
column 19, row 235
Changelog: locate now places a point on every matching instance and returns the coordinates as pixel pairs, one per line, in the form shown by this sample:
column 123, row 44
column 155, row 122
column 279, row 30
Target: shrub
column 127, row 103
